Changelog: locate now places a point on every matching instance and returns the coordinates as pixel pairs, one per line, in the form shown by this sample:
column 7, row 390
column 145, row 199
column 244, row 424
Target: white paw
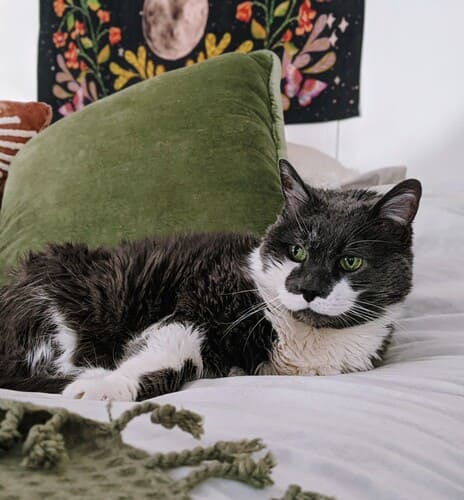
column 102, row 386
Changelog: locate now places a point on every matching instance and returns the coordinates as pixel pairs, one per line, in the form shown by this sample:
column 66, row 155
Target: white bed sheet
column 396, row 432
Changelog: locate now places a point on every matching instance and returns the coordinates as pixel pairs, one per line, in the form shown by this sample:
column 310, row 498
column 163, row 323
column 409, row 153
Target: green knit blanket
column 51, row 453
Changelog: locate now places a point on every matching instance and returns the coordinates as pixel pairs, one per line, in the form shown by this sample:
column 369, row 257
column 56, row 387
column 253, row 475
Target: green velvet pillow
column 191, row 150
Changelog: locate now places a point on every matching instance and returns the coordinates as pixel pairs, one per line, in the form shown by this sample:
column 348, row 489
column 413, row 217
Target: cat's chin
column 320, row 321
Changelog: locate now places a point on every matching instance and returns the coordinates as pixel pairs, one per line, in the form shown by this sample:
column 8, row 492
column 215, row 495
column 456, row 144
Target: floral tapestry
column 89, row 49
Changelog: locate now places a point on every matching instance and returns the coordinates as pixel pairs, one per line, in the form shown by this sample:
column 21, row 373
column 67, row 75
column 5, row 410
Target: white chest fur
column 302, row 350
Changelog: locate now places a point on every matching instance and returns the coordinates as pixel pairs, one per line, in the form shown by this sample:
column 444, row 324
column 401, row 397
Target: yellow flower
column 214, row 49
column 143, row 69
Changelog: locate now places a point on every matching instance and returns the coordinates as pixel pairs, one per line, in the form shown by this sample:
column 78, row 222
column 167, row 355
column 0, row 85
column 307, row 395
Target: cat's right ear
column 400, row 204
column 296, row 193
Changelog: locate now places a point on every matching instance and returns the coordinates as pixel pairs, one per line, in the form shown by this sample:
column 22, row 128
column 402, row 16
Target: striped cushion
column 19, row 122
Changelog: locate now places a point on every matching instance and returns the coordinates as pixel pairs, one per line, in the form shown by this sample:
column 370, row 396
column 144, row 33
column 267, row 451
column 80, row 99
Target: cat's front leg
column 158, row 361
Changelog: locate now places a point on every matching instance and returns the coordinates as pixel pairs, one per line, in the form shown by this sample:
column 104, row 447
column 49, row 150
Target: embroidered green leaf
column 93, row 4
column 281, row 9
column 257, row 30
column 104, row 54
column 86, row 42
column 70, row 22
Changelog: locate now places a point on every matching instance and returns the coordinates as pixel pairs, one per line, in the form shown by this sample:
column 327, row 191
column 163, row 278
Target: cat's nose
column 309, row 295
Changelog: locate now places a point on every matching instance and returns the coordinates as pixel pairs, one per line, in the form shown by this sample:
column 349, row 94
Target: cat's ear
column 400, row 204
column 296, row 192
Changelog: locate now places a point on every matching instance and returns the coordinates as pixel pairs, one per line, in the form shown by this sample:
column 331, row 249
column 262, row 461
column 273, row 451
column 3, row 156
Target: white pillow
column 321, row 170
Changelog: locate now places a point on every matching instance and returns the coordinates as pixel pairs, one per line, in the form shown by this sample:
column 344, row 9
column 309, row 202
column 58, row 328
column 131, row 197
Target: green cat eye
column 297, row 253
column 350, row 264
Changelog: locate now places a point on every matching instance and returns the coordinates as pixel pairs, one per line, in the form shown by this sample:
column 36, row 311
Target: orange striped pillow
column 19, row 122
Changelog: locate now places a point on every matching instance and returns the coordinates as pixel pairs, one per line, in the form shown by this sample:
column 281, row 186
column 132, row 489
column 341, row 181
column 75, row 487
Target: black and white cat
column 315, row 296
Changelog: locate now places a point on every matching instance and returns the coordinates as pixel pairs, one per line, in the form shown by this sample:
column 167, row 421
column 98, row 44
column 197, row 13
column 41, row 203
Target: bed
column 396, row 432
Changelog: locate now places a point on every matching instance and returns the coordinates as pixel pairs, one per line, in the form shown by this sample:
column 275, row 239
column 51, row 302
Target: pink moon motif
column 172, row 28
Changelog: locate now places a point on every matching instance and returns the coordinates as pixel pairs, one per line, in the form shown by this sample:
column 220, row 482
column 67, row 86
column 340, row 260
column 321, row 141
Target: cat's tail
column 36, row 383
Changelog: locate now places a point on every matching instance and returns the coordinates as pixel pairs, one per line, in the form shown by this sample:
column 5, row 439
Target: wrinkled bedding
column 396, row 432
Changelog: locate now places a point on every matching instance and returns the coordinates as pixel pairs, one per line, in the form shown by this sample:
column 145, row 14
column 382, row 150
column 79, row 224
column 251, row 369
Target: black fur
column 164, row 381
column 109, row 297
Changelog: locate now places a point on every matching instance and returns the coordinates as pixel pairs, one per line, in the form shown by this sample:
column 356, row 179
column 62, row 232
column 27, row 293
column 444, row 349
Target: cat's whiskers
column 261, row 306
column 252, row 330
column 385, row 313
column 383, row 320
column 241, row 291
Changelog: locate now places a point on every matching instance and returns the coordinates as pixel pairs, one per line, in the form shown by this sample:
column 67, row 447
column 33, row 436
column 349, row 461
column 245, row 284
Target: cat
column 315, row 296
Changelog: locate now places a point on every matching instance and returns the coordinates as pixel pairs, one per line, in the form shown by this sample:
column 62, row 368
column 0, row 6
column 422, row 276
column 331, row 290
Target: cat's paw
column 105, row 386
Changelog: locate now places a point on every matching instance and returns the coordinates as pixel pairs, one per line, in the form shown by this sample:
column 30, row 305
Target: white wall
column 412, row 89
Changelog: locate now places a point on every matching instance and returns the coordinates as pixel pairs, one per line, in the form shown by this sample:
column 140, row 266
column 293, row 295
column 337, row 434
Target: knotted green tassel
column 44, row 446
column 166, row 415
column 97, row 452
column 9, row 432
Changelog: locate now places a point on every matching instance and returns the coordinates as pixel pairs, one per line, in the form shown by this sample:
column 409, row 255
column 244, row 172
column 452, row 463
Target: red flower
column 104, row 16
column 71, row 56
column 115, row 35
column 83, row 66
column 59, row 39
column 287, row 36
column 244, row 11
column 59, row 7
column 79, row 29
column 305, row 16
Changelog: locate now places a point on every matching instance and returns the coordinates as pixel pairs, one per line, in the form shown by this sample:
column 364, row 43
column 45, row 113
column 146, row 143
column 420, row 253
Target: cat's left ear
column 400, row 204
column 295, row 191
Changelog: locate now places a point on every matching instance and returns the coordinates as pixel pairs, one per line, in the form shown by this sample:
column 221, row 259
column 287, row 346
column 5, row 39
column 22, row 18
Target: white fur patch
column 164, row 346
column 65, row 337
column 340, row 300
column 292, row 301
column 39, row 356
column 271, row 281
column 303, row 350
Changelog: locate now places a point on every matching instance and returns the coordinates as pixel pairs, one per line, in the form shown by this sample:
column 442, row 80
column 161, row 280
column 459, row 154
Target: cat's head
column 336, row 258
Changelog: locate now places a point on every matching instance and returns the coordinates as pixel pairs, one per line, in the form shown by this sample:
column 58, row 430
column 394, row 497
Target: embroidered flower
column 71, row 56
column 59, row 39
column 79, row 30
column 287, row 36
column 104, row 16
column 115, row 35
column 59, row 7
column 305, row 16
column 83, row 66
column 244, row 11
column 76, row 103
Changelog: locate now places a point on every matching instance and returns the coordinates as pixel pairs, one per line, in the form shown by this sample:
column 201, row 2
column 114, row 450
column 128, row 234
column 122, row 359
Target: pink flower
column 76, row 104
